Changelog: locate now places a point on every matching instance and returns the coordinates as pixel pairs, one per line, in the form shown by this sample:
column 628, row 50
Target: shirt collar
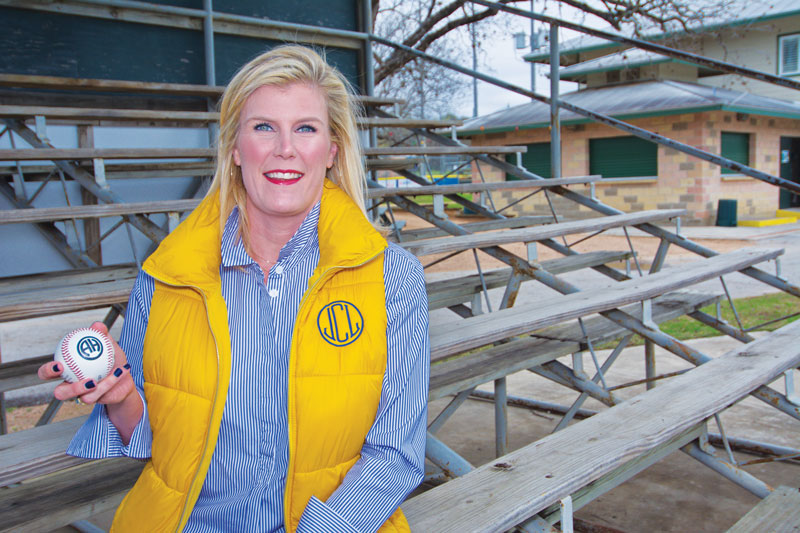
column 304, row 239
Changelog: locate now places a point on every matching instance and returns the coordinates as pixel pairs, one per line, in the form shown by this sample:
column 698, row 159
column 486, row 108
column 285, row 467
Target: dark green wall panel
column 232, row 52
column 623, row 157
column 340, row 14
column 52, row 44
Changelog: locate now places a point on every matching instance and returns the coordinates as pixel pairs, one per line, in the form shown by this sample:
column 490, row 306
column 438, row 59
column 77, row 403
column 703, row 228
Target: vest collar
column 191, row 255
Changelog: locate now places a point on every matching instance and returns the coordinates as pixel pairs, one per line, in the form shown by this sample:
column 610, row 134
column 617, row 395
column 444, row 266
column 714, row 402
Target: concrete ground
column 676, row 494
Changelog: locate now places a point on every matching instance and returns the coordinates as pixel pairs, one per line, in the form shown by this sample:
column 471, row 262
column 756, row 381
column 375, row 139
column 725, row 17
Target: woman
column 273, row 364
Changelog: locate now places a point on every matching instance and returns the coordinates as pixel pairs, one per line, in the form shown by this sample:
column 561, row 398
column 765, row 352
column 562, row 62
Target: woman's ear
column 332, row 154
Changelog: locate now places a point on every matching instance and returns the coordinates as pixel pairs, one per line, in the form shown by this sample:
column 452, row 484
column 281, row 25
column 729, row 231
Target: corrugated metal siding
column 536, row 160
column 623, row 157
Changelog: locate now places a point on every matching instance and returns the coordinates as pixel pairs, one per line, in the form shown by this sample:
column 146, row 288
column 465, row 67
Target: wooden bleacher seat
column 116, row 116
column 57, row 83
column 477, row 187
column 474, row 227
column 69, row 154
column 603, row 450
column 496, row 238
column 777, row 513
column 447, row 292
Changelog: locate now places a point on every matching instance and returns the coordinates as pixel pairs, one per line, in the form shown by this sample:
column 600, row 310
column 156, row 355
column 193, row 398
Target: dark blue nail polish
column 89, row 385
column 117, row 372
column 56, row 368
column 127, row 366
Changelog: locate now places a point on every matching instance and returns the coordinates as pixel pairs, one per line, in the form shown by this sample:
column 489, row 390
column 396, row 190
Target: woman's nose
column 285, row 146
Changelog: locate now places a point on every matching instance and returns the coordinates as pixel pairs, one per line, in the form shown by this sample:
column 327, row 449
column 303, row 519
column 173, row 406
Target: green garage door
column 735, row 146
column 536, row 160
column 623, row 157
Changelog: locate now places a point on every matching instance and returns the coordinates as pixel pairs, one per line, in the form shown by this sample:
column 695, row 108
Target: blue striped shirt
column 244, row 487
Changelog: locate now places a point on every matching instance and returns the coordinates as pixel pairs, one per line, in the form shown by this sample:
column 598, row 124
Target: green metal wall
column 55, row 44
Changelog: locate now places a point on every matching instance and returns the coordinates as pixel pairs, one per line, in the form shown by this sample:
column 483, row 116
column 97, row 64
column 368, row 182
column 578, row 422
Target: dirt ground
column 674, row 495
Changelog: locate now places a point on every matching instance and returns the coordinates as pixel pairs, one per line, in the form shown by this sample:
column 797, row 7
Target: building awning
column 629, row 101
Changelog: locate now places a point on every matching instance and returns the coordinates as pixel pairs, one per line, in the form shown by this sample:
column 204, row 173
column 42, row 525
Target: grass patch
column 752, row 311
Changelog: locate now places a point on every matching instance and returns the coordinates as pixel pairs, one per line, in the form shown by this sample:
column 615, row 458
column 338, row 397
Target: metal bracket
column 533, row 252
column 703, row 443
column 173, row 219
column 519, row 159
column 100, row 172
column 566, row 514
column 647, row 314
column 438, row 206
column 577, row 365
column 791, row 391
column 778, row 273
column 678, row 228
column 40, row 125
column 453, row 134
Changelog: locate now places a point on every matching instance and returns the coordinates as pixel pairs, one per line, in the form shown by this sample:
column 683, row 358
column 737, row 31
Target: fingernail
column 127, row 366
column 89, row 385
column 117, row 372
column 56, row 368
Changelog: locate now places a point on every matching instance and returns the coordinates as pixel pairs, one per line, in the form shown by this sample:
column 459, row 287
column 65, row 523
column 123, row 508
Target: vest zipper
column 216, row 391
column 290, row 415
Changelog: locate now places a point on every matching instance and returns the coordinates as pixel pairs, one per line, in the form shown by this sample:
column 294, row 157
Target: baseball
column 85, row 353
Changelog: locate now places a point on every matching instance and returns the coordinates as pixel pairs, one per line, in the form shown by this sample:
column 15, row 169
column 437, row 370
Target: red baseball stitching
column 70, row 362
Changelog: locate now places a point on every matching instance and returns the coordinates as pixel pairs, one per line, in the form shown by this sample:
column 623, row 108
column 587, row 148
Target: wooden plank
column 80, row 276
column 167, row 169
column 20, row 374
column 54, row 154
column 72, row 115
column 57, row 154
column 540, row 474
column 479, row 187
column 444, row 150
column 496, row 238
column 473, row 227
column 445, row 293
column 394, row 163
column 53, row 501
column 469, row 370
column 51, row 214
column 29, row 304
column 98, row 85
column 37, row 451
column 484, row 329
column 139, row 87
column 777, row 513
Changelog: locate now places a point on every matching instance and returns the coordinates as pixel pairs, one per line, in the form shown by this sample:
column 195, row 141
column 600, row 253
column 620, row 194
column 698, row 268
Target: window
column 735, row 146
column 623, row 157
column 536, row 160
column 789, row 54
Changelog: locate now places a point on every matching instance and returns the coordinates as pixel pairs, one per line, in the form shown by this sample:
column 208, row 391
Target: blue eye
column 307, row 129
column 262, row 126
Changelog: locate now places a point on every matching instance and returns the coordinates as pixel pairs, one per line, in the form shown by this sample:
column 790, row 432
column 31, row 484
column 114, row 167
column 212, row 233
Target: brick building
column 759, row 127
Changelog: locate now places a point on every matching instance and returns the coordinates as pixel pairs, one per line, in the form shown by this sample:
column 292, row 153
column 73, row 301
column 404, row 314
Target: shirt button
column 273, row 293
column 279, row 269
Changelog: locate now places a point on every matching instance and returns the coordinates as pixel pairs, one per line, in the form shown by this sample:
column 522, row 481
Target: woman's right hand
column 112, row 389
column 116, row 391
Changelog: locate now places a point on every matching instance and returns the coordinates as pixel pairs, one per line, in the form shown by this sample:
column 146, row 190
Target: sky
column 500, row 59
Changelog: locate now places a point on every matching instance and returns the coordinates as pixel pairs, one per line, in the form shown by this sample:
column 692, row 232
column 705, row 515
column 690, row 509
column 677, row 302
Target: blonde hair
column 283, row 66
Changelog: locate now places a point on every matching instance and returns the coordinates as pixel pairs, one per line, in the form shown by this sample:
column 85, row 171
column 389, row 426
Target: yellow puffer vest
column 334, row 381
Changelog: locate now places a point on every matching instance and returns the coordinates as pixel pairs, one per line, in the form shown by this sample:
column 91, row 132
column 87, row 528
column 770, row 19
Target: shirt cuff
column 319, row 518
column 98, row 438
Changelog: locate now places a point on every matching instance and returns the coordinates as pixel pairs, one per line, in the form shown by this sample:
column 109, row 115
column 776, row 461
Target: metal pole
column 533, row 48
column 208, row 39
column 555, row 119
column 439, row 454
column 474, row 67
column 733, row 473
column 500, row 417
